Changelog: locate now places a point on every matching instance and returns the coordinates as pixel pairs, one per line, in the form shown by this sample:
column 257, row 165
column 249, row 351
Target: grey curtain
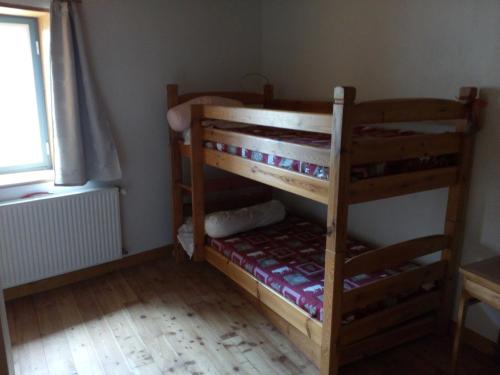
column 84, row 149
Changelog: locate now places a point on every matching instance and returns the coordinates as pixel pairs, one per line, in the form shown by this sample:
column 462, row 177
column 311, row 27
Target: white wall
column 136, row 47
column 400, row 48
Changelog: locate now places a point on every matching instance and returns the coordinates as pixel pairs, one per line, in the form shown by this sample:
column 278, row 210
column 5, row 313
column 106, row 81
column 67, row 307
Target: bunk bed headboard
column 248, row 98
column 265, row 99
column 417, row 110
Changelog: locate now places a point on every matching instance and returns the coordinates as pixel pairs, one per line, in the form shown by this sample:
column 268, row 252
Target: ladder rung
column 185, row 187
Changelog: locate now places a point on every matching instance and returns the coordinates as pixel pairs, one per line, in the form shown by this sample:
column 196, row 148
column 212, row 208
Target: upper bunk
column 290, row 144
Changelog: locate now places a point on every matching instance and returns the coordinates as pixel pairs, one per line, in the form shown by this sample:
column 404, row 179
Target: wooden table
column 481, row 282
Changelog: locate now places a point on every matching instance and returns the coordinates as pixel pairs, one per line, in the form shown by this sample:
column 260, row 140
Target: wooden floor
column 161, row 318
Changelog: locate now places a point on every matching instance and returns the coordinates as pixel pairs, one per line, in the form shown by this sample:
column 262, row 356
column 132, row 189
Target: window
column 24, row 141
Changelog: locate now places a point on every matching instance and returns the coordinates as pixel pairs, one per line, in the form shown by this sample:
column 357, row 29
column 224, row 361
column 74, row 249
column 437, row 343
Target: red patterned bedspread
column 289, row 257
column 323, row 141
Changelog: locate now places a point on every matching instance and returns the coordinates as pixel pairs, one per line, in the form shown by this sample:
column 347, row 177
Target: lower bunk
column 280, row 269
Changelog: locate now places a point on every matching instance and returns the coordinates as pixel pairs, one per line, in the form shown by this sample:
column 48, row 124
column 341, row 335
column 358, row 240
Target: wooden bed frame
column 330, row 344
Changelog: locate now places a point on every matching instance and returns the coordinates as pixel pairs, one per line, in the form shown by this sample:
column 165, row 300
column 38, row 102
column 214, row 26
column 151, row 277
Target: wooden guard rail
column 392, row 286
column 311, row 122
column 400, row 184
column 364, row 151
column 407, row 110
column 390, row 317
column 394, row 255
column 375, row 150
column 309, row 154
column 387, row 257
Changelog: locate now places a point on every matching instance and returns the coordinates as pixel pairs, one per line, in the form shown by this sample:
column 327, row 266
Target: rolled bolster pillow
column 226, row 223
column 179, row 117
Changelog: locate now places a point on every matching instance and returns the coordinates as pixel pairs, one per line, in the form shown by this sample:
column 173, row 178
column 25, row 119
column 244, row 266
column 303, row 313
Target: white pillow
column 179, row 117
column 226, row 223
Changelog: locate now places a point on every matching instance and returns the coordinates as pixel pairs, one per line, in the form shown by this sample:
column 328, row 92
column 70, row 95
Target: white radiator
column 55, row 234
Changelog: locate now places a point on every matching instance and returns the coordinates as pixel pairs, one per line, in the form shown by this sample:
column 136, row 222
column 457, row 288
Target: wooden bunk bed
column 330, row 344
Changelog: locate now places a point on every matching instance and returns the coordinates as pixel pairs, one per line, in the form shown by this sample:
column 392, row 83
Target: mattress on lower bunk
column 289, row 257
column 323, row 141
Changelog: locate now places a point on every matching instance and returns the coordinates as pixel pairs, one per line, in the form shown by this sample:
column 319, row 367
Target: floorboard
column 161, row 318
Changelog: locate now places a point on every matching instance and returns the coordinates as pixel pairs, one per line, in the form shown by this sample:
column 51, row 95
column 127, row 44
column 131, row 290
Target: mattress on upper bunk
column 323, row 141
column 289, row 257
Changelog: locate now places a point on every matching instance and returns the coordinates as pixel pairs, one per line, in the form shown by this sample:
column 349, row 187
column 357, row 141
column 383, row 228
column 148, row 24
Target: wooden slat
column 379, row 343
column 394, row 255
column 390, row 317
column 287, row 310
column 407, row 110
column 392, row 286
column 374, row 150
column 244, row 97
column 316, row 189
column 315, row 155
column 401, row 184
column 297, row 183
column 311, row 122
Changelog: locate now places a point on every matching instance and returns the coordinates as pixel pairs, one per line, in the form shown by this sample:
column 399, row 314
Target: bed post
column 456, row 207
column 268, row 95
column 340, row 166
column 197, row 183
column 175, row 175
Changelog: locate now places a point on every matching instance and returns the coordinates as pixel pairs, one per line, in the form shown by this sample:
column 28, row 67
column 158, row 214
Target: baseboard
column 86, row 273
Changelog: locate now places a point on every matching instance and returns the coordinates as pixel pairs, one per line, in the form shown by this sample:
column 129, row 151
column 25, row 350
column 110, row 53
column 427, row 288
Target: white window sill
column 25, row 178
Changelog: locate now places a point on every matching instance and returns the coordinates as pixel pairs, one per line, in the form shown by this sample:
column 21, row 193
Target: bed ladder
column 176, row 177
column 179, row 188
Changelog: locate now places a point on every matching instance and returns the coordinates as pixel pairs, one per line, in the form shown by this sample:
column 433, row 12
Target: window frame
column 46, row 164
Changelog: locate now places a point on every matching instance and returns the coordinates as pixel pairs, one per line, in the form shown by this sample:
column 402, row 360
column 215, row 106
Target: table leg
column 462, row 312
